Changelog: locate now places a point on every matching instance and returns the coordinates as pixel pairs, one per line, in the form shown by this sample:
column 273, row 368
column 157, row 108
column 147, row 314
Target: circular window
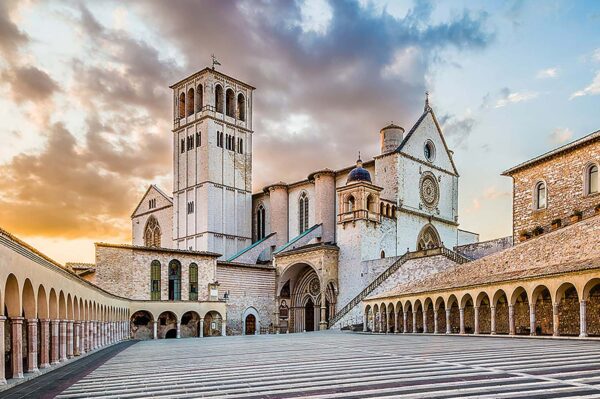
column 430, row 190
column 429, row 151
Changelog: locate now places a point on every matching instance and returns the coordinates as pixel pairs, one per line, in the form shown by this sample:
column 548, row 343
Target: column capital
column 17, row 320
column 33, row 320
column 2, row 318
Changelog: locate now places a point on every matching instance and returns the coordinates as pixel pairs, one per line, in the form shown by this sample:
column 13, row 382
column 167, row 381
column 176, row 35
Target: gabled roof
column 161, row 192
column 428, row 110
column 590, row 138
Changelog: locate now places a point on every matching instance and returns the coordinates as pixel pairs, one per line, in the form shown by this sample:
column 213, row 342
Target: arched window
column 174, row 280
column 152, row 232
column 230, row 103
column 371, row 204
column 199, row 99
column 591, row 179
column 182, row 105
column 260, row 222
column 241, row 104
column 382, row 254
column 350, row 204
column 155, row 280
column 428, row 238
column 540, row 195
column 303, row 213
column 193, row 282
column 219, row 98
column 190, row 102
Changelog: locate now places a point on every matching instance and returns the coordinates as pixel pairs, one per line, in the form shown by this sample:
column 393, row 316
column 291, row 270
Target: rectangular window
column 155, row 280
column 182, row 146
column 190, row 207
column 198, row 137
column 219, row 139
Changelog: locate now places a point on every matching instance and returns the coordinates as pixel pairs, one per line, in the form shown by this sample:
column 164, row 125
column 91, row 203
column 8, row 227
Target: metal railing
column 448, row 253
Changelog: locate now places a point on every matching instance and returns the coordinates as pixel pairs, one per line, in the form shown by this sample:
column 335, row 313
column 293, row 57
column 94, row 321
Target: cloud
column 492, row 193
column 592, row 89
column 548, row 73
column 458, row 129
column 596, row 55
column 560, row 135
column 508, row 97
column 29, row 84
column 11, row 37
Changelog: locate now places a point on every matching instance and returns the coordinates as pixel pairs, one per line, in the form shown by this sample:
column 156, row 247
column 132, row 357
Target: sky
column 85, row 108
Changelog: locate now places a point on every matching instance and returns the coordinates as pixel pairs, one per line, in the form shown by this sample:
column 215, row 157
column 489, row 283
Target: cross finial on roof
column 427, row 107
column 214, row 62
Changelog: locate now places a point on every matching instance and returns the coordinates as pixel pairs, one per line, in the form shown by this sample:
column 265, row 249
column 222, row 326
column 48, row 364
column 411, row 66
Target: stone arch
column 567, row 301
column 42, row 303
column 12, row 297
column 212, row 323
column 53, row 305
column 247, row 329
column 199, row 98
column 62, row 306
column 368, row 318
column 382, row 317
column 219, row 98
column 428, row 238
column 466, row 303
column 229, row 103
column 429, row 315
column 190, row 102
column 519, row 300
column 167, row 321
column 152, row 232
column 391, row 317
column 440, row 307
column 241, row 106
column 591, row 178
column 190, row 324
column 500, row 303
column 591, row 295
column 541, row 301
column 29, row 301
column 453, row 306
column 418, row 316
column 69, row 307
column 376, row 318
column 142, row 325
column 408, row 310
column 174, row 275
column 182, row 105
column 483, row 304
column 400, row 316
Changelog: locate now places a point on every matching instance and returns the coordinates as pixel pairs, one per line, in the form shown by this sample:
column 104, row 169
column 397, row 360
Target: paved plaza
column 346, row 365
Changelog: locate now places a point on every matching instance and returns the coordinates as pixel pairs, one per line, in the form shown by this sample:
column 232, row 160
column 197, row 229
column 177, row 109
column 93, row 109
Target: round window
column 429, row 151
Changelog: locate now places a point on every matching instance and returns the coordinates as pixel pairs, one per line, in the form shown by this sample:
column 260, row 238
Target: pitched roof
column 590, row 138
column 428, row 110
column 161, row 192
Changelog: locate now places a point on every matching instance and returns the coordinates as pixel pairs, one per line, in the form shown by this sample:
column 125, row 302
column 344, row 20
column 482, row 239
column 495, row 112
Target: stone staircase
column 454, row 256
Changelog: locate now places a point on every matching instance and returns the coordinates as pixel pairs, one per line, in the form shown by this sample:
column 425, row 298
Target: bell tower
column 212, row 163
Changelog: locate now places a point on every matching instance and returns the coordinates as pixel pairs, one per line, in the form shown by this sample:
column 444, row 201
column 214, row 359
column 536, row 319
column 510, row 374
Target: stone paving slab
column 344, row 365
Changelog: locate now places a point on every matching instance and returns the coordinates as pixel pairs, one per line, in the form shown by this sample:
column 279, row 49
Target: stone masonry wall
column 564, row 177
column 248, row 286
column 484, row 248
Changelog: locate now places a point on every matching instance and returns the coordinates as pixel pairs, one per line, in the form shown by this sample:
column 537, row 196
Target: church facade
column 292, row 254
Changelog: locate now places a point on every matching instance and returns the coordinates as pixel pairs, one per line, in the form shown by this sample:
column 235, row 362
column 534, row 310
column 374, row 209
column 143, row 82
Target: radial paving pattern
column 333, row 364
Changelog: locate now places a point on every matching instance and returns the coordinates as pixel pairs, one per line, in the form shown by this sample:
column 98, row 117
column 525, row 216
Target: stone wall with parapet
column 260, row 250
column 247, row 286
column 480, row 249
column 411, row 271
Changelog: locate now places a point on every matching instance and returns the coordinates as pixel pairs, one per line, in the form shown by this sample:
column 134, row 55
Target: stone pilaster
column 435, row 322
column 532, row 319
column 555, row 320
column 2, row 350
column 76, row 337
column 583, row 319
column 476, row 313
column 493, row 320
column 405, row 322
column 70, row 337
column 201, row 327
column 425, row 321
column 62, row 340
column 448, row 327
column 414, row 314
column 55, row 344
column 511, row 319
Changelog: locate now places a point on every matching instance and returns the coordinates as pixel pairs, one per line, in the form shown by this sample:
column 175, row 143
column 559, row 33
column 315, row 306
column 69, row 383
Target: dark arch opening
column 172, row 333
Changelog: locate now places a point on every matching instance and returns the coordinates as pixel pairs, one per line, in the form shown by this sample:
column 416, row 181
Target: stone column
column 323, row 322
column 414, row 322
column 2, row 349
column 405, row 321
column 365, row 325
column 32, row 343
column 16, row 324
column 511, row 319
column 54, row 355
column 224, row 327
column 435, row 322
column 461, row 313
column 62, row 340
column 448, row 327
column 201, row 334
column 387, row 322
column 583, row 319
column 555, row 320
column 424, row 321
column 70, row 336
column 178, row 329
column 82, row 335
column 396, row 323
column 44, row 343
column 493, row 321
column 155, row 330
column 90, row 335
column 76, row 335
column 532, row 319
column 476, row 313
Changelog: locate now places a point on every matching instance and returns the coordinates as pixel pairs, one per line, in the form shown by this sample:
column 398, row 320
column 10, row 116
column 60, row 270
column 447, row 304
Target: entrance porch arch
column 250, row 322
